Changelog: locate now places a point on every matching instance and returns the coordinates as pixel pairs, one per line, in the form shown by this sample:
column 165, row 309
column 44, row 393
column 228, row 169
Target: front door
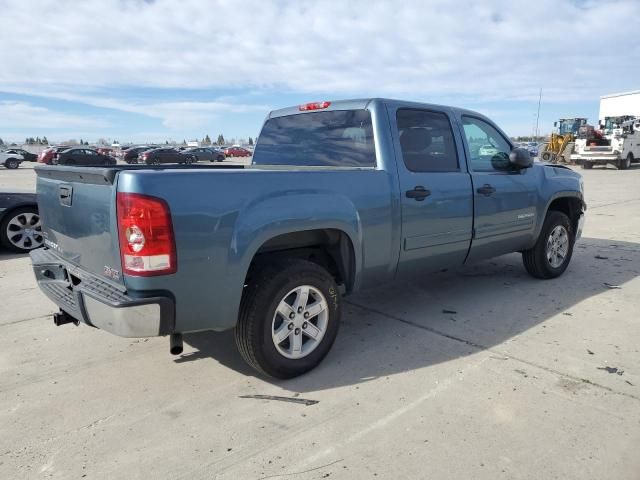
column 505, row 198
column 437, row 207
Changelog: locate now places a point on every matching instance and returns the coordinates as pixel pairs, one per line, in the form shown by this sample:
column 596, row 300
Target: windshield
column 342, row 138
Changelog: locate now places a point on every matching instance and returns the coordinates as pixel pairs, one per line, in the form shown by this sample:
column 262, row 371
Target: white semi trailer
column 619, row 105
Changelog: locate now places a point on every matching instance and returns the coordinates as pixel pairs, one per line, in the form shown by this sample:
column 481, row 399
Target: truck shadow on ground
column 406, row 326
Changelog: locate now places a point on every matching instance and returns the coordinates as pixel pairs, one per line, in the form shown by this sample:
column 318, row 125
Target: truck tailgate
column 78, row 212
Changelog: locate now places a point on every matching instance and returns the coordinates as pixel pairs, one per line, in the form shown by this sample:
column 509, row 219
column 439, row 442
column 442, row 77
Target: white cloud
column 21, row 115
column 417, row 49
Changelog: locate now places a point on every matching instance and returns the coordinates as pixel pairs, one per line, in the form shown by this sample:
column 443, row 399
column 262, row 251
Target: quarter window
column 426, row 141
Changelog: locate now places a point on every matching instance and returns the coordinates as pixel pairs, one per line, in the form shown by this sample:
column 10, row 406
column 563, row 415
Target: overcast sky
column 154, row 70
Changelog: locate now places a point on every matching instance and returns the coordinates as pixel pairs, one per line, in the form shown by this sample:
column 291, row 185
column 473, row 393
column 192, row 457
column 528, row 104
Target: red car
column 49, row 155
column 105, row 151
column 237, row 152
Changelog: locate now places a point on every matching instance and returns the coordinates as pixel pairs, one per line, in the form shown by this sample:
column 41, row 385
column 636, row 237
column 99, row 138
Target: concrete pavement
column 480, row 373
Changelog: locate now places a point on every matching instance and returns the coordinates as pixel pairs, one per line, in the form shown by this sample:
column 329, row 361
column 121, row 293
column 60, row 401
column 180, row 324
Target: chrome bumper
column 100, row 304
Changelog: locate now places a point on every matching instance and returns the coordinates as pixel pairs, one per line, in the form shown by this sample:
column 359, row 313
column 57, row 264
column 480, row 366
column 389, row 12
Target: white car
column 11, row 160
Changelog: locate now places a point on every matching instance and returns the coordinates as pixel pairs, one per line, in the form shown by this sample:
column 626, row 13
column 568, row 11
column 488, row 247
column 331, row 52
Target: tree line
column 219, row 141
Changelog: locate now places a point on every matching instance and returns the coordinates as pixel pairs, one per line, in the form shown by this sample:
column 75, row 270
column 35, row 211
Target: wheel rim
column 557, row 246
column 25, row 231
column 300, row 322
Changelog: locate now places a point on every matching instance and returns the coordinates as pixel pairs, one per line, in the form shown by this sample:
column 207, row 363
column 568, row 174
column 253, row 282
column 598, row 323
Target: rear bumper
column 91, row 300
column 602, row 158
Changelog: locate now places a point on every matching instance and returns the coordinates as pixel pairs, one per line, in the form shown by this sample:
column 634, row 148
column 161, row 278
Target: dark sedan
column 205, row 153
column 157, row 156
column 26, row 156
column 20, row 228
column 83, row 156
column 130, row 155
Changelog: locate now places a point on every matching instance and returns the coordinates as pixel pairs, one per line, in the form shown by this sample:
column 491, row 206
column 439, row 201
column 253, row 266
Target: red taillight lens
column 147, row 245
column 313, row 106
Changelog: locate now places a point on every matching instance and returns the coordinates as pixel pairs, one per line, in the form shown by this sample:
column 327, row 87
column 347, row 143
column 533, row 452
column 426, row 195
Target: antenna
column 538, row 115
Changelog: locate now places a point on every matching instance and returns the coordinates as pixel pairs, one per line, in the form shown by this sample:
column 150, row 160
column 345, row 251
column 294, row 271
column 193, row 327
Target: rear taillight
column 313, row 106
column 147, row 244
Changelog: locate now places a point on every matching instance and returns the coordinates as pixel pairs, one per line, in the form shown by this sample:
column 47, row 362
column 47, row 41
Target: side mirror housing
column 520, row 158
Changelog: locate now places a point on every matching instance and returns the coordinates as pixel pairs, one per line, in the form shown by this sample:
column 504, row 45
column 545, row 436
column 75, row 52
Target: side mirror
column 520, row 158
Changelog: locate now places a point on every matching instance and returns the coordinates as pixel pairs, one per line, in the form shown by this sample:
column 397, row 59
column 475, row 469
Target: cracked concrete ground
column 480, row 373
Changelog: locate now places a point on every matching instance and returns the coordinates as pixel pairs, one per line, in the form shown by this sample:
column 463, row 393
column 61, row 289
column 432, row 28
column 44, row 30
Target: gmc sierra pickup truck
column 339, row 196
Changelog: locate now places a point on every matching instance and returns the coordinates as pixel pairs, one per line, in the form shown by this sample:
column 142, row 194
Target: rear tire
column 259, row 321
column 587, row 165
column 542, row 261
column 21, row 230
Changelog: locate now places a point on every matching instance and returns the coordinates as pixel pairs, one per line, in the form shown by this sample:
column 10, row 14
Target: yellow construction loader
column 560, row 146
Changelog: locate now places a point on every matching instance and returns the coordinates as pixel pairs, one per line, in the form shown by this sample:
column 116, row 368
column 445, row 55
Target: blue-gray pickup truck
column 339, row 196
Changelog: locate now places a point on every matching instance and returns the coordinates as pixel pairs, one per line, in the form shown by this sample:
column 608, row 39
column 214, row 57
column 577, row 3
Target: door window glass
column 488, row 148
column 426, row 141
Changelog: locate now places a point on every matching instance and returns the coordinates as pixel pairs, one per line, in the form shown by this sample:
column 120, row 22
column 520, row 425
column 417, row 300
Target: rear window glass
column 339, row 138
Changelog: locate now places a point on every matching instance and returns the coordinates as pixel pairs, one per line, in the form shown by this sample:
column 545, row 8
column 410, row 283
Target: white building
column 619, row 104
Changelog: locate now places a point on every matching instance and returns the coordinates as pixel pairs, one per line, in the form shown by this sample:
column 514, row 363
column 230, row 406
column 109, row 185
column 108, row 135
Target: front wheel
column 11, row 164
column 587, row 165
column 624, row 164
column 551, row 254
column 289, row 318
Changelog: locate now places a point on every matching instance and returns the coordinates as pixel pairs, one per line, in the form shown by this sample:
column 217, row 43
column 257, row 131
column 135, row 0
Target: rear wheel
column 21, row 230
column 551, row 254
column 587, row 165
column 289, row 318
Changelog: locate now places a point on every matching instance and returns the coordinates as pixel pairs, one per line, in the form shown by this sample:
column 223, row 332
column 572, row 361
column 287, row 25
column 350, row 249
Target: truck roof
column 361, row 103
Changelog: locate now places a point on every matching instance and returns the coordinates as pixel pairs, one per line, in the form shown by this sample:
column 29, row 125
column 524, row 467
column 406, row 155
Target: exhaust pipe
column 63, row 317
column 175, row 343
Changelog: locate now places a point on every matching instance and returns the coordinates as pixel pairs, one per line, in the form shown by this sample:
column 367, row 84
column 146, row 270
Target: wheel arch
column 570, row 203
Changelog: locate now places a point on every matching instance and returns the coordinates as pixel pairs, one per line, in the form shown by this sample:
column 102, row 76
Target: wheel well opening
column 332, row 249
column 571, row 207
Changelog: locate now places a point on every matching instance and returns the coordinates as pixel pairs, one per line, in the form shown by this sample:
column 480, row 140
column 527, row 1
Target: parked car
column 10, row 160
column 105, row 151
column 130, row 155
column 26, row 156
column 237, row 152
column 20, row 227
column 49, row 155
column 364, row 192
column 160, row 155
column 204, row 153
column 83, row 156
column 218, row 153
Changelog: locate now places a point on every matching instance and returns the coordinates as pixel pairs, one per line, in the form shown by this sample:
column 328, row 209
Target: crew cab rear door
column 435, row 188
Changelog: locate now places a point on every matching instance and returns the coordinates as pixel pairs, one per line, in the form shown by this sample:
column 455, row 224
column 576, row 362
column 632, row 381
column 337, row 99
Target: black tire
column 587, row 165
column 624, row 164
column 8, row 217
column 535, row 259
column 11, row 163
column 265, row 290
column 220, row 158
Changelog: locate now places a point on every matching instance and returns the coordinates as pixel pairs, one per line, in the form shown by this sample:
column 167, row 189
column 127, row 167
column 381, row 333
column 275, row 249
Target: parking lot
column 479, row 373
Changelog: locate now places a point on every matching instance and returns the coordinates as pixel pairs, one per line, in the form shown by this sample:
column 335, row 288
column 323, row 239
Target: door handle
column 419, row 193
column 486, row 189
